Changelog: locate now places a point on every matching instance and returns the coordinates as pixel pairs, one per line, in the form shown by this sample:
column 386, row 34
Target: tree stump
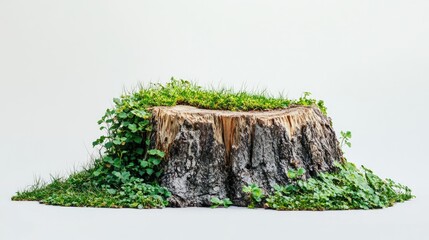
column 214, row 153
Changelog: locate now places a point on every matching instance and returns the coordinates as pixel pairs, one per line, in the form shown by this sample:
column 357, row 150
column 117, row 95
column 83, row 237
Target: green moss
column 186, row 93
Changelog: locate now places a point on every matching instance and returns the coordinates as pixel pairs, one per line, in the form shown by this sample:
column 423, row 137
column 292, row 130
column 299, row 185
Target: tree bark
column 212, row 153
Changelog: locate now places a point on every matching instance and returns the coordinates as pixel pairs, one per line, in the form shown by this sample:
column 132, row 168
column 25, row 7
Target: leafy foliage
column 255, row 194
column 349, row 188
column 127, row 152
column 345, row 138
column 304, row 100
column 141, row 195
column 294, row 174
column 216, row 202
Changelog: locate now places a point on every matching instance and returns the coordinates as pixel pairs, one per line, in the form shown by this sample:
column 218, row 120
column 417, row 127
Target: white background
column 61, row 63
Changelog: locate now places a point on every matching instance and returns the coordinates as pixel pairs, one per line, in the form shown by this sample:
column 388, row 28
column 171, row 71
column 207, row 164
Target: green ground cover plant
column 126, row 173
column 348, row 188
column 255, row 194
column 80, row 190
column 217, row 202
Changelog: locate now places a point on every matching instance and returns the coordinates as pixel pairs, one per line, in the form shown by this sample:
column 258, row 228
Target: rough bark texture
column 213, row 153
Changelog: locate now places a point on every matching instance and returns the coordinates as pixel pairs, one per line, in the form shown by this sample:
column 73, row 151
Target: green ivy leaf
column 139, row 151
column 291, row 174
column 132, row 127
column 301, row 171
column 97, row 172
column 117, row 163
column 227, row 202
column 144, row 163
column 138, row 139
column 117, row 101
column 122, row 115
column 108, row 145
column 111, row 191
column 140, row 113
column 149, row 171
column 108, row 159
column 156, row 152
column 117, row 174
column 155, row 161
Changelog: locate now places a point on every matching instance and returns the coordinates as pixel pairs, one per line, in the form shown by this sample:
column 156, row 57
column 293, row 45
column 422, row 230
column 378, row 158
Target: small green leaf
column 155, row 161
column 138, row 139
column 132, row 127
column 117, row 163
column 98, row 141
column 227, row 202
column 140, row 113
column 108, row 144
column 117, row 174
column 125, row 176
column 108, row 159
column 117, row 101
column 122, row 115
column 95, row 143
column 149, row 171
column 111, row 191
column 144, row 163
column 98, row 172
column 247, row 189
column 139, row 151
column 291, row 174
column 156, row 152
column 349, row 134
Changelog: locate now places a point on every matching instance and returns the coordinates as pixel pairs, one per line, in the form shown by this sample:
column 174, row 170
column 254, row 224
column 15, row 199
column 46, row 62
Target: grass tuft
column 80, row 190
column 184, row 92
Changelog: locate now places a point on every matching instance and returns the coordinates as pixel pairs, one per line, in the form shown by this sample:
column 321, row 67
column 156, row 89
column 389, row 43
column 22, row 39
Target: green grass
column 184, row 92
column 127, row 173
column 80, row 190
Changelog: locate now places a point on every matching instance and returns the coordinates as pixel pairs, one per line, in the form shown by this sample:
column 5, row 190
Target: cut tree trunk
column 213, row 153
